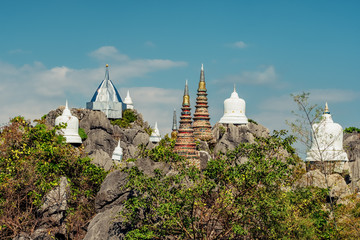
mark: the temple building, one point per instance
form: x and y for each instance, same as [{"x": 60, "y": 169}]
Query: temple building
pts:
[
  {"x": 185, "y": 143},
  {"x": 128, "y": 101},
  {"x": 118, "y": 153},
  {"x": 327, "y": 143},
  {"x": 174, "y": 126},
  {"x": 155, "y": 135},
  {"x": 234, "y": 110},
  {"x": 107, "y": 99},
  {"x": 71, "y": 131},
  {"x": 201, "y": 125}
]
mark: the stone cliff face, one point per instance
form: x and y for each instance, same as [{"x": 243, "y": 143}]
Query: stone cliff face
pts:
[
  {"x": 103, "y": 136},
  {"x": 352, "y": 148}
]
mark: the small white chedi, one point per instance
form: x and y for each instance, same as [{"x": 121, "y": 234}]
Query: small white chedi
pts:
[
  {"x": 234, "y": 110},
  {"x": 155, "y": 135},
  {"x": 327, "y": 140},
  {"x": 71, "y": 132},
  {"x": 128, "y": 101},
  {"x": 118, "y": 153}
]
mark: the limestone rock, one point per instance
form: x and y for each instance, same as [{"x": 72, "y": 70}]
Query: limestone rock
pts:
[
  {"x": 229, "y": 136},
  {"x": 338, "y": 186},
  {"x": 103, "y": 224},
  {"x": 102, "y": 159},
  {"x": 112, "y": 191},
  {"x": 204, "y": 159},
  {"x": 312, "y": 178},
  {"x": 352, "y": 148}
]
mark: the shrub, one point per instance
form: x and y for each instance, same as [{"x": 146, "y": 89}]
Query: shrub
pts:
[
  {"x": 82, "y": 134},
  {"x": 32, "y": 160},
  {"x": 129, "y": 116},
  {"x": 352, "y": 130}
]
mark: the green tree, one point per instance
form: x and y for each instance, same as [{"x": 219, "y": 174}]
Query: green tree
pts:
[
  {"x": 229, "y": 199},
  {"x": 32, "y": 160}
]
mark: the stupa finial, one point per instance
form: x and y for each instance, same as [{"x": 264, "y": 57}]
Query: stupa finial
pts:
[
  {"x": 326, "y": 110},
  {"x": 234, "y": 87},
  {"x": 202, "y": 67},
  {"x": 186, "y": 98},
  {"x": 66, "y": 104},
  {"x": 107, "y": 77},
  {"x": 174, "y": 127}
]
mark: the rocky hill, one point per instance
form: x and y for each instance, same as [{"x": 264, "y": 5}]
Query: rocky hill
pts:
[{"x": 102, "y": 138}]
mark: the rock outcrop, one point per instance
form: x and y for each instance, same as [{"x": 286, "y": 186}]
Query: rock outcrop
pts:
[
  {"x": 102, "y": 136},
  {"x": 108, "y": 223},
  {"x": 229, "y": 136},
  {"x": 352, "y": 148}
]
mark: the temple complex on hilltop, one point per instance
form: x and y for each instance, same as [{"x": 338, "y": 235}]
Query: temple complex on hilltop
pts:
[
  {"x": 234, "y": 110},
  {"x": 185, "y": 143},
  {"x": 107, "y": 99},
  {"x": 327, "y": 145},
  {"x": 201, "y": 125}
]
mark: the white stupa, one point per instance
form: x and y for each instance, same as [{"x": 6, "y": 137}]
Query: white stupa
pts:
[
  {"x": 107, "y": 99},
  {"x": 155, "y": 135},
  {"x": 118, "y": 153},
  {"x": 234, "y": 110},
  {"x": 71, "y": 132},
  {"x": 327, "y": 144},
  {"x": 128, "y": 101}
]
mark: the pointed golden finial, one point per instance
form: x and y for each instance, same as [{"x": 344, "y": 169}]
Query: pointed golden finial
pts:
[
  {"x": 107, "y": 65},
  {"x": 186, "y": 98},
  {"x": 326, "y": 110}
]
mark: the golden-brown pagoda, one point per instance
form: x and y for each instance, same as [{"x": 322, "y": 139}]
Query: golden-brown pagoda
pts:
[
  {"x": 202, "y": 127},
  {"x": 185, "y": 143}
]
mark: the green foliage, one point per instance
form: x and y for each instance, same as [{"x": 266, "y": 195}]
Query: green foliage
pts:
[
  {"x": 129, "y": 116},
  {"x": 163, "y": 152},
  {"x": 32, "y": 160},
  {"x": 352, "y": 130},
  {"x": 228, "y": 200},
  {"x": 252, "y": 121},
  {"x": 82, "y": 134}
]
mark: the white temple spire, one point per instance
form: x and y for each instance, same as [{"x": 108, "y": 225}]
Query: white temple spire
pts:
[
  {"x": 128, "y": 101},
  {"x": 155, "y": 135},
  {"x": 118, "y": 153}
]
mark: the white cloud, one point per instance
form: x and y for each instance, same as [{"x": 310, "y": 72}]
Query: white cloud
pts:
[
  {"x": 157, "y": 105},
  {"x": 149, "y": 44},
  {"x": 108, "y": 53},
  {"x": 240, "y": 44},
  {"x": 332, "y": 95},
  {"x": 33, "y": 89},
  {"x": 261, "y": 77},
  {"x": 18, "y": 51}
]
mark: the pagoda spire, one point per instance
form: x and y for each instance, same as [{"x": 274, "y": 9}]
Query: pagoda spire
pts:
[
  {"x": 174, "y": 126},
  {"x": 185, "y": 143},
  {"x": 202, "y": 126}
]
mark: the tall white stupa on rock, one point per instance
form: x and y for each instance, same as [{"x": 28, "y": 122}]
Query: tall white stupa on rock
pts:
[
  {"x": 155, "y": 135},
  {"x": 107, "y": 99},
  {"x": 128, "y": 101},
  {"x": 234, "y": 110},
  {"x": 327, "y": 141},
  {"x": 71, "y": 132}
]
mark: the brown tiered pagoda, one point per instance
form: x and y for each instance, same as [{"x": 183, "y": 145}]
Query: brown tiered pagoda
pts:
[
  {"x": 202, "y": 127},
  {"x": 185, "y": 143}
]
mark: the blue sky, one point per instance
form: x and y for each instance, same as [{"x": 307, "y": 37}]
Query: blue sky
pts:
[{"x": 56, "y": 50}]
